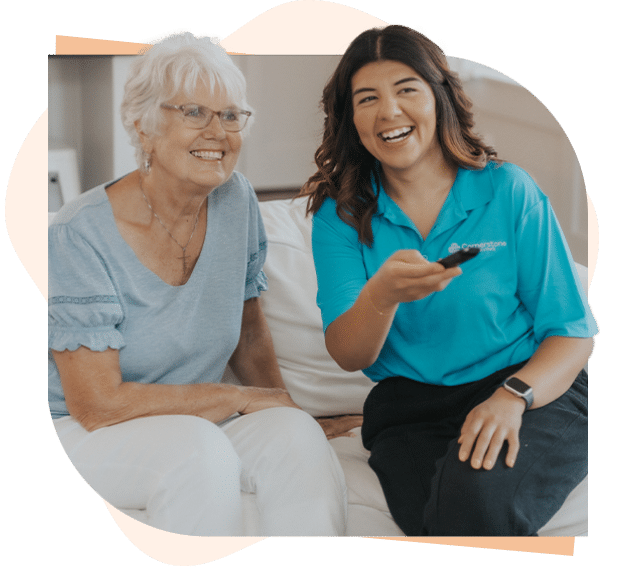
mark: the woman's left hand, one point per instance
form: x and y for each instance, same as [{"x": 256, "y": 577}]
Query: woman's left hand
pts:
[
  {"x": 335, "y": 426},
  {"x": 488, "y": 426}
]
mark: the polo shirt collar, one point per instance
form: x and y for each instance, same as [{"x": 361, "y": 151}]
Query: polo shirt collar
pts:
[
  {"x": 465, "y": 199},
  {"x": 471, "y": 189},
  {"x": 474, "y": 187}
]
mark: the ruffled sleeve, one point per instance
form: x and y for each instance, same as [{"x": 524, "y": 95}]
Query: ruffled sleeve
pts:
[{"x": 84, "y": 308}]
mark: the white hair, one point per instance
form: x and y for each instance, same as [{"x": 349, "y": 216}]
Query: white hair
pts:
[{"x": 173, "y": 65}]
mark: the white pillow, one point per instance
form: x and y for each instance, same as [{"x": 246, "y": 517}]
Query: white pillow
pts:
[{"x": 313, "y": 379}]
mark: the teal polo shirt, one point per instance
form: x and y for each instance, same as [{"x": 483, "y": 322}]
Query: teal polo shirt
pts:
[{"x": 520, "y": 289}]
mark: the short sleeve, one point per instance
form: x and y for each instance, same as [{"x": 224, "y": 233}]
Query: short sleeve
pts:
[
  {"x": 256, "y": 280},
  {"x": 548, "y": 283},
  {"x": 84, "y": 309},
  {"x": 339, "y": 263}
]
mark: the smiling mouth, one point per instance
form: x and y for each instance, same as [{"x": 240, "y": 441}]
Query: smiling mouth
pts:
[
  {"x": 396, "y": 135},
  {"x": 208, "y": 155}
]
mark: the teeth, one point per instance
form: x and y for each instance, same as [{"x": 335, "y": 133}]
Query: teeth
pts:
[
  {"x": 210, "y": 155},
  {"x": 398, "y": 133}
]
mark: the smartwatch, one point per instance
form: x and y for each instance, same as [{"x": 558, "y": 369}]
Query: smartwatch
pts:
[{"x": 519, "y": 389}]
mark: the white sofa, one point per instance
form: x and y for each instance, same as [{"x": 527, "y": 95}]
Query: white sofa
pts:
[{"x": 321, "y": 388}]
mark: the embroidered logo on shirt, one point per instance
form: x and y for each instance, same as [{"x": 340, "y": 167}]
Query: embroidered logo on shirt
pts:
[{"x": 488, "y": 246}]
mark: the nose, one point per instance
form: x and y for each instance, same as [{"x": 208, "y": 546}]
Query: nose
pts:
[
  {"x": 389, "y": 107},
  {"x": 214, "y": 129}
]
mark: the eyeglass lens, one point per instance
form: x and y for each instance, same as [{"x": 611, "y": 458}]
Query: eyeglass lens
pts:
[{"x": 197, "y": 116}]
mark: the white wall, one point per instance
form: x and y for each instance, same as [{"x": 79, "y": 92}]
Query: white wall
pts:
[
  {"x": 524, "y": 132},
  {"x": 285, "y": 91}
]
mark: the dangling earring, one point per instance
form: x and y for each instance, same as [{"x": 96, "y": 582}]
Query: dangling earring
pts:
[{"x": 147, "y": 163}]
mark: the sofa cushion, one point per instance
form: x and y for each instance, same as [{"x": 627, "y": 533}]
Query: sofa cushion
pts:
[{"x": 313, "y": 379}]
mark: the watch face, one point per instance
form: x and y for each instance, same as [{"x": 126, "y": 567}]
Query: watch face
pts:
[{"x": 519, "y": 386}]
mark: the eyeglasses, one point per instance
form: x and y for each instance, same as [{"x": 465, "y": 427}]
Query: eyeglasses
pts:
[{"x": 195, "y": 116}]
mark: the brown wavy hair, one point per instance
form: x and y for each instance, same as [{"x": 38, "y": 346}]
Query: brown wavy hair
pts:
[{"x": 344, "y": 166}]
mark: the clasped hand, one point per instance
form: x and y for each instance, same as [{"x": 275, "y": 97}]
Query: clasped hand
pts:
[{"x": 488, "y": 426}]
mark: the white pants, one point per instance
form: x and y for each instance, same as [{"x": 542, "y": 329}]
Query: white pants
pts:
[{"x": 188, "y": 473}]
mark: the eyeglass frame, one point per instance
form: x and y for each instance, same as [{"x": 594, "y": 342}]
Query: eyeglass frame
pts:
[{"x": 219, "y": 113}]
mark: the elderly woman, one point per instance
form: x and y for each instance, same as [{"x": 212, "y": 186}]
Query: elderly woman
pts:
[
  {"x": 477, "y": 424},
  {"x": 154, "y": 284}
]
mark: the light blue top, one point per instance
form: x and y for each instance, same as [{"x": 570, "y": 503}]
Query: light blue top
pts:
[
  {"x": 520, "y": 289},
  {"x": 101, "y": 295}
]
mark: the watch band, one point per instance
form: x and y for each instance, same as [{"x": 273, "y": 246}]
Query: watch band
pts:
[{"x": 520, "y": 389}]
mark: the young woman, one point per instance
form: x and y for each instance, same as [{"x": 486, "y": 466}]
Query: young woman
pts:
[{"x": 478, "y": 422}]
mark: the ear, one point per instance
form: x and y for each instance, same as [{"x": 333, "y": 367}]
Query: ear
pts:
[{"x": 145, "y": 139}]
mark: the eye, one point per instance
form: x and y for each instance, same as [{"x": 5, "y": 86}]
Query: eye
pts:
[
  {"x": 229, "y": 115},
  {"x": 366, "y": 99},
  {"x": 194, "y": 111}
]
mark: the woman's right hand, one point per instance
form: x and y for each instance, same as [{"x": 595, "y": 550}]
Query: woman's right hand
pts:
[
  {"x": 355, "y": 339},
  {"x": 253, "y": 399},
  {"x": 406, "y": 276}
]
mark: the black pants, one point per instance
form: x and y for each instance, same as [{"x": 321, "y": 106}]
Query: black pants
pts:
[{"x": 412, "y": 429}]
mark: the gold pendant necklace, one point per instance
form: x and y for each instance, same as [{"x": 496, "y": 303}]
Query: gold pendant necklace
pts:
[{"x": 183, "y": 257}]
